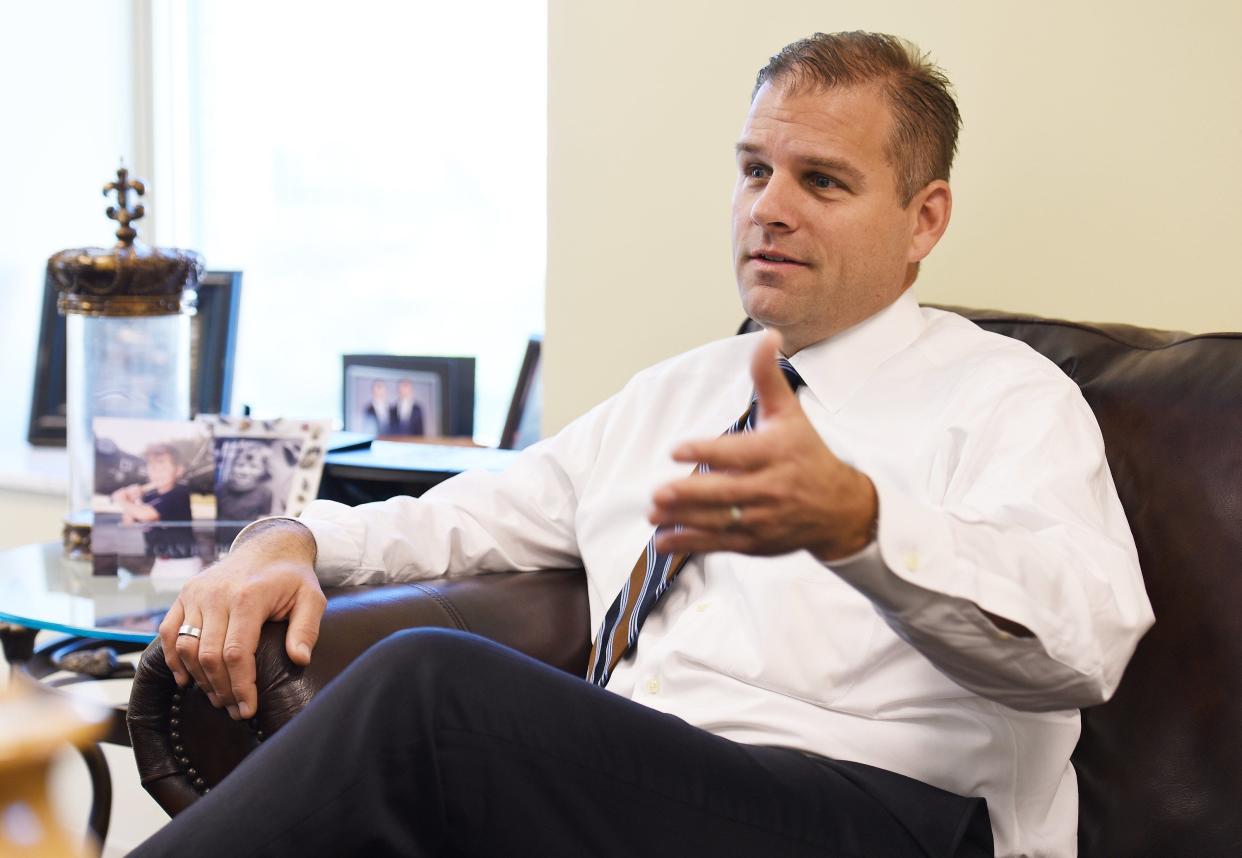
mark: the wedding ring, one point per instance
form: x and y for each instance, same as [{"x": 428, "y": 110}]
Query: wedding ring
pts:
[
  {"x": 735, "y": 515},
  {"x": 192, "y": 631}
]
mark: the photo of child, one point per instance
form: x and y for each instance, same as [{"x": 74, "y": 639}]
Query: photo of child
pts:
[
  {"x": 265, "y": 467},
  {"x": 243, "y": 479},
  {"x": 153, "y": 478},
  {"x": 153, "y": 470},
  {"x": 164, "y": 497}
]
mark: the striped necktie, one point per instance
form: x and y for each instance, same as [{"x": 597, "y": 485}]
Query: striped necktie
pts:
[{"x": 653, "y": 573}]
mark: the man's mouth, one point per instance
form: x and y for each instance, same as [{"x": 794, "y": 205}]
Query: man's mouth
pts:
[{"x": 772, "y": 257}]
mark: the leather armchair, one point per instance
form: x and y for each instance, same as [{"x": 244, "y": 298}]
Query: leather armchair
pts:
[{"x": 1159, "y": 766}]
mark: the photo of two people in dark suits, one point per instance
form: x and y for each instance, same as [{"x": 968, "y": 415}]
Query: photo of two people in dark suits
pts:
[
  {"x": 391, "y": 405},
  {"x": 402, "y": 417}
]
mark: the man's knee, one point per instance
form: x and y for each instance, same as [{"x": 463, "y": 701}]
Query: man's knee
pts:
[
  {"x": 434, "y": 657},
  {"x": 409, "y": 676},
  {"x": 429, "y": 643}
]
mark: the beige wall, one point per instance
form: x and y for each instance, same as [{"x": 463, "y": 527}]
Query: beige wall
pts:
[
  {"x": 30, "y": 517},
  {"x": 1098, "y": 176}
]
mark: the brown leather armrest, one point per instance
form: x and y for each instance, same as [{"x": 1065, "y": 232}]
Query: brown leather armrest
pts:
[{"x": 183, "y": 745}]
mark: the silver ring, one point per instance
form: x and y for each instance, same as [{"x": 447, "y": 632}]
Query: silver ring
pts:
[{"x": 192, "y": 631}]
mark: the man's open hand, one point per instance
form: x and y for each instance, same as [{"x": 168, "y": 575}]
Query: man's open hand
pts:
[
  {"x": 270, "y": 576},
  {"x": 772, "y": 491}
]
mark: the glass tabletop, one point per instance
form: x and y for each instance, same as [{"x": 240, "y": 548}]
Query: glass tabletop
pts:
[{"x": 114, "y": 596}]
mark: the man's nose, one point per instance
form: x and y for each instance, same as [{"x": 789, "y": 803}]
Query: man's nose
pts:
[{"x": 774, "y": 208}]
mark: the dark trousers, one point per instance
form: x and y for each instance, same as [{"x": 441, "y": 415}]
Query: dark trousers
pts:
[{"x": 441, "y": 743}]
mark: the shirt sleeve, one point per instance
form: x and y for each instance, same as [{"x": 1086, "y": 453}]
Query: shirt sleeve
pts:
[
  {"x": 1031, "y": 531},
  {"x": 477, "y": 521}
]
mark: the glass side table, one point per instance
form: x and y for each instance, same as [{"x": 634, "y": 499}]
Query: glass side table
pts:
[{"x": 100, "y": 615}]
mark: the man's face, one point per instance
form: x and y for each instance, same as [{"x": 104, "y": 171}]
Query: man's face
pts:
[
  {"x": 379, "y": 391},
  {"x": 820, "y": 238},
  {"x": 405, "y": 390}
]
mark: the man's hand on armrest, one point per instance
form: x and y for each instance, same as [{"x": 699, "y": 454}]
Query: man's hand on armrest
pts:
[{"x": 269, "y": 575}]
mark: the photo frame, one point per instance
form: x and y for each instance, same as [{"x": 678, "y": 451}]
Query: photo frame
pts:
[
  {"x": 377, "y": 392},
  {"x": 152, "y": 480},
  {"x": 213, "y": 343},
  {"x": 168, "y": 494},
  {"x": 523, "y": 423},
  {"x": 265, "y": 467}
]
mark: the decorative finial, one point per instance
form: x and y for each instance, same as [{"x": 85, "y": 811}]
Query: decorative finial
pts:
[{"x": 122, "y": 213}]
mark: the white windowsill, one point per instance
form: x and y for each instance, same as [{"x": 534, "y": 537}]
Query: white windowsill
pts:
[{"x": 34, "y": 470}]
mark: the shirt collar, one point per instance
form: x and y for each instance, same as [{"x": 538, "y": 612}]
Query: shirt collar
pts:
[{"x": 835, "y": 368}]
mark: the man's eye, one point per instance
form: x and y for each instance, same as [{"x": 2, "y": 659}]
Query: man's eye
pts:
[
  {"x": 756, "y": 171},
  {"x": 825, "y": 182}
]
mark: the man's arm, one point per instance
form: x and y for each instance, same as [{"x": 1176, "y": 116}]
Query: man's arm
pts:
[
  {"x": 520, "y": 519},
  {"x": 1024, "y": 587}
]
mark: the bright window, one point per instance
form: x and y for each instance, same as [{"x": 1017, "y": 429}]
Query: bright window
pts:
[
  {"x": 375, "y": 170},
  {"x": 68, "y": 115}
]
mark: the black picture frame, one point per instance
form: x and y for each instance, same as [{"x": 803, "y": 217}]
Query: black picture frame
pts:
[
  {"x": 456, "y": 385},
  {"x": 525, "y": 406},
  {"x": 213, "y": 344}
]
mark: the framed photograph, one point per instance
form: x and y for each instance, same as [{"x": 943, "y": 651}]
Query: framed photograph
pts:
[
  {"x": 156, "y": 456},
  {"x": 265, "y": 467},
  {"x": 153, "y": 478},
  {"x": 396, "y": 396},
  {"x": 213, "y": 341},
  {"x": 523, "y": 423}
]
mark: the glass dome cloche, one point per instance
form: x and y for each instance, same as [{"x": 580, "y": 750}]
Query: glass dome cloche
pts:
[{"x": 127, "y": 315}]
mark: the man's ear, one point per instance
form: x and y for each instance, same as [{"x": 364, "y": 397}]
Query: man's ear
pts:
[{"x": 930, "y": 210}]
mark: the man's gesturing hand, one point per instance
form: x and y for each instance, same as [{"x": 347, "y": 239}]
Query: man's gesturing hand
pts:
[
  {"x": 789, "y": 488},
  {"x": 271, "y": 575}
]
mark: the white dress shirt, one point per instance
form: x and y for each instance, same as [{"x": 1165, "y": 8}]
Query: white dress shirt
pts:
[{"x": 994, "y": 494}]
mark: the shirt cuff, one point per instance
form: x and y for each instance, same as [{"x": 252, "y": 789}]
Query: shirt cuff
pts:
[{"x": 340, "y": 534}]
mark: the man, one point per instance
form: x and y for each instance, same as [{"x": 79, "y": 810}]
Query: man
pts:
[
  {"x": 377, "y": 416},
  {"x": 406, "y": 417},
  {"x": 900, "y": 584}
]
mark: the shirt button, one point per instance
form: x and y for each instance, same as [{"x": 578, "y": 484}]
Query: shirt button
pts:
[
  {"x": 912, "y": 561},
  {"x": 653, "y": 686}
]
